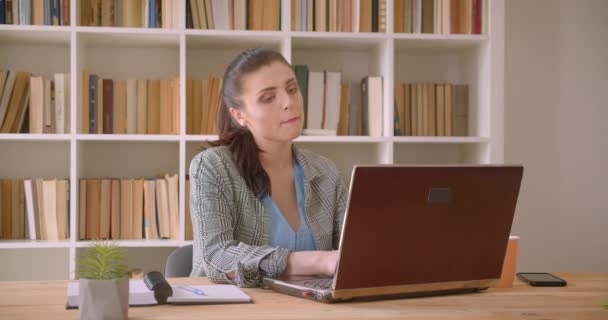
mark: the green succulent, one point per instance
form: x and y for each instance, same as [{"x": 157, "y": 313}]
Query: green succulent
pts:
[{"x": 103, "y": 261}]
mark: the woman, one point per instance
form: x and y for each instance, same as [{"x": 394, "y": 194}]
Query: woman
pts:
[{"x": 260, "y": 206}]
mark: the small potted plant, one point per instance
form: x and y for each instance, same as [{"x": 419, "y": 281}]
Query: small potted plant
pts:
[{"x": 104, "y": 282}]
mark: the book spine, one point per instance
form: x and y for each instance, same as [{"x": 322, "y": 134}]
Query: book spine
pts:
[
  {"x": 55, "y": 13},
  {"x": 152, "y": 13},
  {"x": 47, "y": 13},
  {"x": 93, "y": 103},
  {"x": 25, "y": 12},
  {"x": 65, "y": 12},
  {"x": 108, "y": 106},
  {"x": 188, "y": 15},
  {"x": 2, "y": 12},
  {"x": 8, "y": 12}
]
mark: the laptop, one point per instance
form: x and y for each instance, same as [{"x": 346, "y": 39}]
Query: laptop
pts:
[{"x": 412, "y": 231}]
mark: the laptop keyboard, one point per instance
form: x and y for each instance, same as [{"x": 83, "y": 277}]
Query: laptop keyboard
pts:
[{"x": 322, "y": 283}]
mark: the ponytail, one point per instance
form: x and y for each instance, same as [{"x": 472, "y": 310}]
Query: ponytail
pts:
[{"x": 244, "y": 152}]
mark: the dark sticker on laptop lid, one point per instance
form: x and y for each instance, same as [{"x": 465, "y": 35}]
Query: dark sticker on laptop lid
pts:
[{"x": 439, "y": 195}]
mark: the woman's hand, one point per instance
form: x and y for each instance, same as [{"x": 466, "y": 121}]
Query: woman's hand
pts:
[
  {"x": 309, "y": 263},
  {"x": 329, "y": 262}
]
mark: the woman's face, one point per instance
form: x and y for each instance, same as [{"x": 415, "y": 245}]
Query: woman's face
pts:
[{"x": 272, "y": 107}]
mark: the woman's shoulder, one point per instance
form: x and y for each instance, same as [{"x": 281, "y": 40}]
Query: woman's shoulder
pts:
[
  {"x": 215, "y": 157},
  {"x": 316, "y": 162}
]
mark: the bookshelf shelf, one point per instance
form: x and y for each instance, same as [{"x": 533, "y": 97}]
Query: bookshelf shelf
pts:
[
  {"x": 200, "y": 138},
  {"x": 337, "y": 40},
  {"x": 128, "y": 137},
  {"x": 38, "y": 35},
  {"x": 250, "y": 34},
  {"x": 99, "y": 37},
  {"x": 124, "y": 30},
  {"x": 156, "y": 53},
  {"x": 34, "y": 137},
  {"x": 221, "y": 39},
  {"x": 138, "y": 243},
  {"x": 341, "y": 139},
  {"x": 444, "y": 140},
  {"x": 34, "y": 244},
  {"x": 438, "y": 42}
]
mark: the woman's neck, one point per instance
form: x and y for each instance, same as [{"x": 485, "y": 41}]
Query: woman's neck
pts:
[{"x": 276, "y": 156}]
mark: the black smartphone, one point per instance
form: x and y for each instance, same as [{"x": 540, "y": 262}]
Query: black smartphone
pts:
[{"x": 541, "y": 279}]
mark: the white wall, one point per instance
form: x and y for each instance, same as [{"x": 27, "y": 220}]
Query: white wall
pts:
[{"x": 556, "y": 114}]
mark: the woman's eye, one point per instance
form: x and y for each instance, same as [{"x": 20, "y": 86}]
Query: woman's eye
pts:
[
  {"x": 267, "y": 99},
  {"x": 292, "y": 90}
]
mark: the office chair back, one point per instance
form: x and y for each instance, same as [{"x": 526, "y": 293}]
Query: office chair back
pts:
[{"x": 179, "y": 262}]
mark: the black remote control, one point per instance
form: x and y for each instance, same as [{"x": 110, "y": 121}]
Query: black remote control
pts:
[{"x": 156, "y": 282}]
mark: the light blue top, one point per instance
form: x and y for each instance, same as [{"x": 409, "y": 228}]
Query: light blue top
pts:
[{"x": 281, "y": 233}]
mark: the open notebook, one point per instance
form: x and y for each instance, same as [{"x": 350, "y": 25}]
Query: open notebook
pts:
[{"x": 140, "y": 295}]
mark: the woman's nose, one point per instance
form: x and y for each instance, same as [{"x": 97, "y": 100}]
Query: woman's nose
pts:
[{"x": 287, "y": 100}]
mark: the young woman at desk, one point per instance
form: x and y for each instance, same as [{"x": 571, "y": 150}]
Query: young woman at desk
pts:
[{"x": 260, "y": 206}]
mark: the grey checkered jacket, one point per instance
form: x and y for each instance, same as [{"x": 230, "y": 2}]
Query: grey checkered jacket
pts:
[{"x": 232, "y": 227}]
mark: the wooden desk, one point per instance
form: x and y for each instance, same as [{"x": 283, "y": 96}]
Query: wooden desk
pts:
[{"x": 581, "y": 299}]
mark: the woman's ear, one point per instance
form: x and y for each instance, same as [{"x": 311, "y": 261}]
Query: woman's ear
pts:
[{"x": 239, "y": 116}]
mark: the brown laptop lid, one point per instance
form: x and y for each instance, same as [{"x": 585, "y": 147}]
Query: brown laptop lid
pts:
[{"x": 418, "y": 225}]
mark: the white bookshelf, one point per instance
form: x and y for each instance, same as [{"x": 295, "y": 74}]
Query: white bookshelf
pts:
[{"x": 122, "y": 53}]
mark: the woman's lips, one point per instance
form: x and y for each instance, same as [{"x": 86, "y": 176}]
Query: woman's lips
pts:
[{"x": 292, "y": 120}]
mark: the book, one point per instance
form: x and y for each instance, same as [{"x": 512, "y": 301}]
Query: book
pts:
[
  {"x": 82, "y": 209},
  {"x": 30, "y": 231},
  {"x": 140, "y": 295},
  {"x": 126, "y": 208},
  {"x": 137, "y": 219},
  {"x": 49, "y": 196},
  {"x": 115, "y": 209},
  {"x": 62, "y": 196}
]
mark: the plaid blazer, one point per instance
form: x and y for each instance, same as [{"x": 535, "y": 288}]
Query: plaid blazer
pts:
[{"x": 232, "y": 227}]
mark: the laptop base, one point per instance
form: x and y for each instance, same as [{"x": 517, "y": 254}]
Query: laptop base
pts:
[{"x": 326, "y": 296}]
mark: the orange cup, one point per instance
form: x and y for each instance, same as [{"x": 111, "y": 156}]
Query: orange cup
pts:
[{"x": 508, "y": 268}]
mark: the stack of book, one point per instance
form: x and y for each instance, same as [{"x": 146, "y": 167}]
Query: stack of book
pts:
[
  {"x": 338, "y": 16},
  {"x": 441, "y": 16},
  {"x": 35, "y": 209},
  {"x": 336, "y": 107},
  {"x": 129, "y": 106},
  {"x": 203, "y": 100},
  {"x": 129, "y": 208},
  {"x": 34, "y": 104},
  {"x": 130, "y": 13},
  {"x": 431, "y": 109},
  {"x": 36, "y": 12},
  {"x": 234, "y": 14}
]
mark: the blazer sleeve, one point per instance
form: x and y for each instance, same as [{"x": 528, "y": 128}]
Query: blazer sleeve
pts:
[
  {"x": 215, "y": 250},
  {"x": 341, "y": 196}
]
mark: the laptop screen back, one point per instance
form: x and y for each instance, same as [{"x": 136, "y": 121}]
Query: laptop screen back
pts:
[{"x": 416, "y": 225}]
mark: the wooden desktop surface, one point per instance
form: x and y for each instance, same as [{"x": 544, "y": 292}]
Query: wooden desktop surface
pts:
[{"x": 581, "y": 299}]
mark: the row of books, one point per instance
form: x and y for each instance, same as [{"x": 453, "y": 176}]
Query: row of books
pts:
[
  {"x": 203, "y": 100},
  {"x": 34, "y": 104},
  {"x": 233, "y": 14},
  {"x": 338, "y": 16},
  {"x": 129, "y": 208},
  {"x": 36, "y": 12},
  {"x": 35, "y": 209},
  {"x": 129, "y": 106},
  {"x": 430, "y": 109},
  {"x": 130, "y": 13},
  {"x": 441, "y": 16},
  {"x": 336, "y": 107}
]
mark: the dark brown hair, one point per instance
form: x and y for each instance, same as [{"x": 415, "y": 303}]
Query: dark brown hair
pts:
[{"x": 238, "y": 138}]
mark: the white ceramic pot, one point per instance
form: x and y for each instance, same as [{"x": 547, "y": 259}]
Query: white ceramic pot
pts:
[{"x": 104, "y": 299}]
